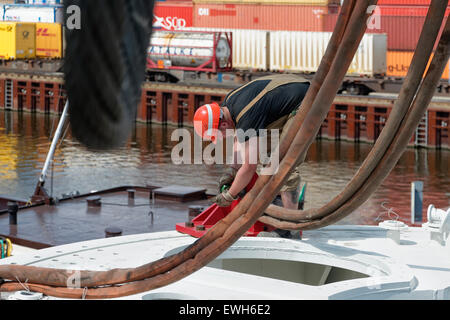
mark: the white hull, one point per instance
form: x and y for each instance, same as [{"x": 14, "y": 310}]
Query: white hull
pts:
[{"x": 339, "y": 262}]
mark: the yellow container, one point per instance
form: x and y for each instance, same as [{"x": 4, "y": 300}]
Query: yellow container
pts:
[
  {"x": 398, "y": 63},
  {"x": 17, "y": 40},
  {"x": 48, "y": 40}
]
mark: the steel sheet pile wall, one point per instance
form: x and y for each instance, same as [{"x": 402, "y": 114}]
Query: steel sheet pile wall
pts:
[
  {"x": 355, "y": 120},
  {"x": 350, "y": 118},
  {"x": 43, "y": 96}
]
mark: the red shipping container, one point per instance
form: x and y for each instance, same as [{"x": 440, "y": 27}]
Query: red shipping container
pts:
[
  {"x": 403, "y": 25},
  {"x": 262, "y": 17},
  {"x": 172, "y": 15},
  {"x": 405, "y": 11},
  {"x": 404, "y": 2}
]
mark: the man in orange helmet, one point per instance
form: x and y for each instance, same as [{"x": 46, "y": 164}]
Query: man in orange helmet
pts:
[{"x": 266, "y": 103}]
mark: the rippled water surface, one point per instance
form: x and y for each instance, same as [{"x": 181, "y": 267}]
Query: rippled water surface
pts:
[{"x": 25, "y": 140}]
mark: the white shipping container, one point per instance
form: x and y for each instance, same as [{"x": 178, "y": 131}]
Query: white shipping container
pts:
[
  {"x": 371, "y": 57},
  {"x": 36, "y": 13},
  {"x": 303, "y": 52},
  {"x": 250, "y": 49},
  {"x": 45, "y": 1},
  {"x": 300, "y": 51}
]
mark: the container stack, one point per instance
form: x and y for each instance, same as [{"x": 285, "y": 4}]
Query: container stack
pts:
[
  {"x": 45, "y": 2},
  {"x": 17, "y": 40},
  {"x": 284, "y": 15},
  {"x": 173, "y": 15},
  {"x": 402, "y": 21},
  {"x": 45, "y": 17},
  {"x": 50, "y": 13}
]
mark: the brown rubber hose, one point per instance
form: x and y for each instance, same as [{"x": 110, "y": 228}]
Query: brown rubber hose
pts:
[
  {"x": 222, "y": 226},
  {"x": 409, "y": 89}
]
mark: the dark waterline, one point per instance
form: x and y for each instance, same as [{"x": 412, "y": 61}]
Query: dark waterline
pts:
[{"x": 25, "y": 140}]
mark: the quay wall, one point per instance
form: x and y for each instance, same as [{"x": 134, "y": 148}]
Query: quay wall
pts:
[{"x": 351, "y": 118}]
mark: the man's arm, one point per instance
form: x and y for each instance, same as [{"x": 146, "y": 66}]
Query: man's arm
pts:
[{"x": 249, "y": 156}]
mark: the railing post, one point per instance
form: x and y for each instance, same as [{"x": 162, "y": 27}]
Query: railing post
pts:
[{"x": 416, "y": 202}]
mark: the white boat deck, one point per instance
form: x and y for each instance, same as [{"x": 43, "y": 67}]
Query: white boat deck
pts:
[{"x": 339, "y": 262}]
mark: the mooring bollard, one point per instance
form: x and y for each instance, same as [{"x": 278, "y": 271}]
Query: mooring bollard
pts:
[
  {"x": 112, "y": 232},
  {"x": 416, "y": 202},
  {"x": 131, "y": 194},
  {"x": 94, "y": 202}
]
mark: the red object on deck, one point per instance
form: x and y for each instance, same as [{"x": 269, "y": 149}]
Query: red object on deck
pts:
[{"x": 208, "y": 218}]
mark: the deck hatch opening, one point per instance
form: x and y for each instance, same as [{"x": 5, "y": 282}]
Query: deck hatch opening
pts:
[
  {"x": 167, "y": 296},
  {"x": 293, "y": 271}
]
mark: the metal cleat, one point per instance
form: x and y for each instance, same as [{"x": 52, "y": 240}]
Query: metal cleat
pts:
[
  {"x": 27, "y": 296},
  {"x": 394, "y": 229}
]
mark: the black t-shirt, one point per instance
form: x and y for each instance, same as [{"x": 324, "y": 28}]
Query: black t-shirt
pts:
[{"x": 272, "y": 106}]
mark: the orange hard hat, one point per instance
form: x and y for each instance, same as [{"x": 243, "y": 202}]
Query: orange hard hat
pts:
[{"x": 206, "y": 121}]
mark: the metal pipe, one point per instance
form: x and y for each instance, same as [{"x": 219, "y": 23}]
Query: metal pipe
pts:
[
  {"x": 51, "y": 152},
  {"x": 13, "y": 208},
  {"x": 416, "y": 202}
]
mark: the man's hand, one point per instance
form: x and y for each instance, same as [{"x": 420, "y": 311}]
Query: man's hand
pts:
[
  {"x": 226, "y": 180},
  {"x": 224, "y": 199}
]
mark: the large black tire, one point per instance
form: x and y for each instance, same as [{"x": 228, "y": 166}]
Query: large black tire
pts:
[{"x": 105, "y": 68}]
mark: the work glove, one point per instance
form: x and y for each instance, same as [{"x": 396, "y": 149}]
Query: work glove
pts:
[
  {"x": 226, "y": 180},
  {"x": 224, "y": 199}
]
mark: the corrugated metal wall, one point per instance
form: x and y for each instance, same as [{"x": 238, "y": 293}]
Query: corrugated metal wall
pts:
[
  {"x": 173, "y": 15},
  {"x": 398, "y": 63},
  {"x": 250, "y": 47},
  {"x": 17, "y": 40},
  {"x": 261, "y": 17},
  {"x": 303, "y": 52},
  {"x": 49, "y": 40}
]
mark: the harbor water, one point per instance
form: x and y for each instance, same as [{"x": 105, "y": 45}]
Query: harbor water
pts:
[{"x": 146, "y": 160}]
